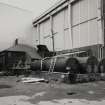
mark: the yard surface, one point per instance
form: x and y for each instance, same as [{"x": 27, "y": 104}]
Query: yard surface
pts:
[{"x": 18, "y": 93}]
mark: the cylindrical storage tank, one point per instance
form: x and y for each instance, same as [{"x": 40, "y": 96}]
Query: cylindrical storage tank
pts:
[
  {"x": 46, "y": 64},
  {"x": 36, "y": 65},
  {"x": 62, "y": 64},
  {"x": 92, "y": 64},
  {"x": 65, "y": 64},
  {"x": 59, "y": 64},
  {"x": 73, "y": 66},
  {"x": 82, "y": 61},
  {"x": 87, "y": 64},
  {"x": 101, "y": 66}
]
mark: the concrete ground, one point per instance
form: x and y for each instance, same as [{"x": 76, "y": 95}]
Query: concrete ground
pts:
[{"x": 18, "y": 93}]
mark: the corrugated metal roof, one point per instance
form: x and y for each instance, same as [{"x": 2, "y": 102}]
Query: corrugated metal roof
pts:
[{"x": 31, "y": 51}]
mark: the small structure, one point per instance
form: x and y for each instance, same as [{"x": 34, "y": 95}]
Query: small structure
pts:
[
  {"x": 18, "y": 57},
  {"x": 43, "y": 51}
]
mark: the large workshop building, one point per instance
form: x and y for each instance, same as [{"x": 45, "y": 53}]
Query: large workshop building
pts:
[{"x": 73, "y": 26}]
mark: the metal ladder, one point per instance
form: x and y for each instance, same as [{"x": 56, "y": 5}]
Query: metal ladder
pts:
[{"x": 52, "y": 65}]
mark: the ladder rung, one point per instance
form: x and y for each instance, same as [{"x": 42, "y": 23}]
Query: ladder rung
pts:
[{"x": 52, "y": 65}]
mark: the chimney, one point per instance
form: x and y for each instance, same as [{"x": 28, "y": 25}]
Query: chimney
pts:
[{"x": 16, "y": 41}]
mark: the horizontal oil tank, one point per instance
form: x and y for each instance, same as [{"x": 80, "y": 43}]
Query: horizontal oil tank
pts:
[
  {"x": 77, "y": 65},
  {"x": 92, "y": 65},
  {"x": 101, "y": 66},
  {"x": 59, "y": 64},
  {"x": 89, "y": 64},
  {"x": 46, "y": 63}
]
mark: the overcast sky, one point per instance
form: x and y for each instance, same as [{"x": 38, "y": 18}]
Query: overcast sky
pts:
[{"x": 36, "y": 6}]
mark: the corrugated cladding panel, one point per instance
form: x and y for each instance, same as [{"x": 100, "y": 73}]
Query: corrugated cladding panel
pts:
[
  {"x": 62, "y": 37},
  {"x": 84, "y": 10},
  {"x": 92, "y": 8},
  {"x": 47, "y": 28},
  {"x": 41, "y": 32},
  {"x": 85, "y": 34},
  {"x": 48, "y": 43},
  {"x": 67, "y": 40},
  {"x": 76, "y": 36},
  {"x": 66, "y": 23},
  {"x": 58, "y": 30},
  {"x": 67, "y": 37},
  {"x": 93, "y": 32},
  {"x": 75, "y": 13},
  {"x": 45, "y": 34},
  {"x": 84, "y": 23}
]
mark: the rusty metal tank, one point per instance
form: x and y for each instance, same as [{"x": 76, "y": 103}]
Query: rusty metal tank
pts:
[
  {"x": 74, "y": 64},
  {"x": 66, "y": 64},
  {"x": 101, "y": 66},
  {"x": 92, "y": 64},
  {"x": 89, "y": 64},
  {"x": 59, "y": 64}
]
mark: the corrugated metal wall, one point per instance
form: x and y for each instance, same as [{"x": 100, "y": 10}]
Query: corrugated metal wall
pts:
[
  {"x": 62, "y": 37},
  {"x": 84, "y": 23},
  {"x": 83, "y": 30},
  {"x": 47, "y": 34},
  {"x": 58, "y": 30}
]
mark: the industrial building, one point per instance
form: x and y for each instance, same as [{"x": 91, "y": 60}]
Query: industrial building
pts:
[{"x": 73, "y": 26}]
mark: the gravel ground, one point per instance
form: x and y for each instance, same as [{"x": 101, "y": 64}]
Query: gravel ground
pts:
[{"x": 18, "y": 93}]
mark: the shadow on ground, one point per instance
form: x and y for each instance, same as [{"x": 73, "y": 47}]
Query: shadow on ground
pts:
[{"x": 5, "y": 86}]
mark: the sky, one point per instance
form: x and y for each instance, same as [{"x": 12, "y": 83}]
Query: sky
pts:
[
  {"x": 19, "y": 27},
  {"x": 36, "y": 6}
]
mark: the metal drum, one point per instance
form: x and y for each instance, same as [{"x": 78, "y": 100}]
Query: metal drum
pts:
[
  {"x": 73, "y": 66},
  {"x": 62, "y": 64},
  {"x": 65, "y": 64},
  {"x": 92, "y": 64},
  {"x": 84, "y": 65},
  {"x": 55, "y": 64},
  {"x": 101, "y": 66}
]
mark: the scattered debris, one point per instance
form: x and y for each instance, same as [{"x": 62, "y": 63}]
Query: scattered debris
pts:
[
  {"x": 38, "y": 95},
  {"x": 90, "y": 92},
  {"x": 84, "y": 101},
  {"x": 32, "y": 80}
]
